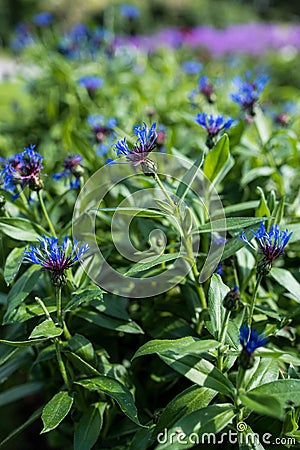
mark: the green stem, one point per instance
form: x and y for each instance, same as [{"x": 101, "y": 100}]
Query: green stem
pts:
[
  {"x": 222, "y": 338},
  {"x": 43, "y": 306},
  {"x": 61, "y": 365},
  {"x": 224, "y": 327},
  {"x": 240, "y": 377},
  {"x": 51, "y": 227},
  {"x": 58, "y": 306},
  {"x": 258, "y": 281},
  {"x": 162, "y": 187},
  {"x": 189, "y": 250}
]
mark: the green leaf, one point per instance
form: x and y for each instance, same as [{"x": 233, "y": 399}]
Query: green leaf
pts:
[
  {"x": 86, "y": 296},
  {"x": 216, "y": 159},
  {"x": 19, "y": 392},
  {"x": 189, "y": 400},
  {"x": 56, "y": 410},
  {"x": 199, "y": 371},
  {"x": 176, "y": 353},
  {"x": 46, "y": 329},
  {"x": 28, "y": 343},
  {"x": 20, "y": 357},
  {"x": 22, "y": 427},
  {"x": 137, "y": 212},
  {"x": 85, "y": 367},
  {"x": 238, "y": 207},
  {"x": 263, "y": 209},
  {"x": 148, "y": 263},
  {"x": 201, "y": 346},
  {"x": 263, "y": 371},
  {"x": 164, "y": 345},
  {"x": 249, "y": 440},
  {"x": 282, "y": 391},
  {"x": 198, "y": 427},
  {"x": 12, "y": 264},
  {"x": 286, "y": 279},
  {"x": 102, "y": 320},
  {"x": 262, "y": 404},
  {"x": 89, "y": 427},
  {"x": 216, "y": 294},
  {"x": 231, "y": 223},
  {"x": 253, "y": 174},
  {"x": 189, "y": 177},
  {"x": 113, "y": 388},
  {"x": 21, "y": 229},
  {"x": 23, "y": 286},
  {"x": 262, "y": 125},
  {"x": 82, "y": 347}
]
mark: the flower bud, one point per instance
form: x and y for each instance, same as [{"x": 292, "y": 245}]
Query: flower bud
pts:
[{"x": 231, "y": 300}]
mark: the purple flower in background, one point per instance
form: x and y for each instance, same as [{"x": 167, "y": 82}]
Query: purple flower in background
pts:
[
  {"x": 192, "y": 67},
  {"x": 130, "y": 12},
  {"x": 42, "y": 19},
  {"x": 250, "y": 340},
  {"x": 91, "y": 82},
  {"x": 54, "y": 258},
  {"x": 73, "y": 171},
  {"x": 145, "y": 143},
  {"x": 272, "y": 244},
  {"x": 213, "y": 125},
  {"x": 23, "y": 169},
  {"x": 248, "y": 91}
]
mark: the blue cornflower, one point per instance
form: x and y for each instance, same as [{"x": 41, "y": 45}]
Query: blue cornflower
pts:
[
  {"x": 91, "y": 82},
  {"x": 213, "y": 125},
  {"x": 206, "y": 88},
  {"x": 129, "y": 11},
  {"x": 192, "y": 67},
  {"x": 23, "y": 169},
  {"x": 55, "y": 258},
  {"x": 42, "y": 19},
  {"x": 73, "y": 170},
  {"x": 248, "y": 91},
  {"x": 145, "y": 143},
  {"x": 250, "y": 340},
  {"x": 101, "y": 126},
  {"x": 272, "y": 244},
  {"x": 22, "y": 37}
]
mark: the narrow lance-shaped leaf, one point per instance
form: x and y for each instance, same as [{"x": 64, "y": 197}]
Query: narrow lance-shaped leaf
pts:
[
  {"x": 56, "y": 410},
  {"x": 89, "y": 427},
  {"x": 113, "y": 388},
  {"x": 12, "y": 264},
  {"x": 216, "y": 159}
]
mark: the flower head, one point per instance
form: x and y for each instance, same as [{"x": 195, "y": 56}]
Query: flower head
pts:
[
  {"x": 42, "y": 19},
  {"x": 250, "y": 340},
  {"x": 206, "y": 88},
  {"x": 213, "y": 125},
  {"x": 101, "y": 126},
  {"x": 145, "y": 143},
  {"x": 55, "y": 258},
  {"x": 73, "y": 170},
  {"x": 192, "y": 67},
  {"x": 23, "y": 169},
  {"x": 130, "y": 12},
  {"x": 272, "y": 244},
  {"x": 91, "y": 82},
  {"x": 248, "y": 91}
]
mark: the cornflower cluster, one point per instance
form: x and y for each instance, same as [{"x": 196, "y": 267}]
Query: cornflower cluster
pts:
[{"x": 22, "y": 170}]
